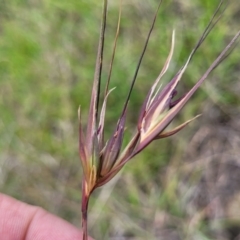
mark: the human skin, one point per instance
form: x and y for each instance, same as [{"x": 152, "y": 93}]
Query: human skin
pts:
[{"x": 20, "y": 221}]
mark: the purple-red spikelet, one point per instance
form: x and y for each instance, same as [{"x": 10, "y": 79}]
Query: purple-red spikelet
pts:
[{"x": 102, "y": 160}]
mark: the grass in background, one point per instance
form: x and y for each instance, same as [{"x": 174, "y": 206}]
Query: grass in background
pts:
[{"x": 186, "y": 187}]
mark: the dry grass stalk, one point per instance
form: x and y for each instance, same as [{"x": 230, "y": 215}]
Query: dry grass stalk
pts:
[{"x": 102, "y": 160}]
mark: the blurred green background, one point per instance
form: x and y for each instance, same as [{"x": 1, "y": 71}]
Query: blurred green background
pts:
[{"x": 183, "y": 187}]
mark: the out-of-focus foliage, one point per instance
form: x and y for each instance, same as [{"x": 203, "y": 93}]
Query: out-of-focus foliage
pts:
[{"x": 174, "y": 189}]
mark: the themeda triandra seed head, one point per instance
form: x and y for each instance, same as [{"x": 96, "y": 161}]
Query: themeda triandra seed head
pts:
[{"x": 102, "y": 160}]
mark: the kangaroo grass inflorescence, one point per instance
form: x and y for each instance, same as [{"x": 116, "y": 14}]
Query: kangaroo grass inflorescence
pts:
[{"x": 102, "y": 160}]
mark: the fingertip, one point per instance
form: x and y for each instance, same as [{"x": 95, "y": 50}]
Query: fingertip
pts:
[{"x": 21, "y": 221}]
